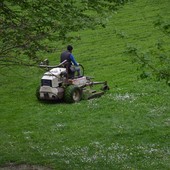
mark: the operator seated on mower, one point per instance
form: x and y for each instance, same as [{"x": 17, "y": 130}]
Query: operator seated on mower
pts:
[{"x": 72, "y": 66}]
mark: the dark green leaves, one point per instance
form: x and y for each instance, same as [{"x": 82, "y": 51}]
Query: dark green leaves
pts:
[{"x": 25, "y": 24}]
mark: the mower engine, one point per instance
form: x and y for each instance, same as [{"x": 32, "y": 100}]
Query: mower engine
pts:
[{"x": 51, "y": 84}]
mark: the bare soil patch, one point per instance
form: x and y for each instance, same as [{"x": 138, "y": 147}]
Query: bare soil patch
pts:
[{"x": 24, "y": 167}]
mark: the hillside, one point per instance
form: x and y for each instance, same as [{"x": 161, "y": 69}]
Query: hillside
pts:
[{"x": 127, "y": 128}]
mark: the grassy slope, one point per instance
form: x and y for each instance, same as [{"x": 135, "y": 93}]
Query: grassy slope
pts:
[{"x": 128, "y": 128}]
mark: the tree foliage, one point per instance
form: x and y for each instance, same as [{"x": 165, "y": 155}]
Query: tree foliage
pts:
[{"x": 25, "y": 24}]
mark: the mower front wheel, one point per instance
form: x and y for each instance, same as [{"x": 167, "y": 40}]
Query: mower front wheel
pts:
[{"x": 72, "y": 94}]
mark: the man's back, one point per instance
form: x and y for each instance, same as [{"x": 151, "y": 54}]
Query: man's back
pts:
[{"x": 65, "y": 56}]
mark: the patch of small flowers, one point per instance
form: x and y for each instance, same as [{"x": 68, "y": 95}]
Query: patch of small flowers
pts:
[
  {"x": 59, "y": 112},
  {"x": 150, "y": 152},
  {"x": 158, "y": 110},
  {"x": 59, "y": 126},
  {"x": 27, "y": 134},
  {"x": 122, "y": 97},
  {"x": 114, "y": 154},
  {"x": 167, "y": 122},
  {"x": 93, "y": 104}
]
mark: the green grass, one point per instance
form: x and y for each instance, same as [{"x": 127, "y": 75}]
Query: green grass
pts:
[{"x": 127, "y": 128}]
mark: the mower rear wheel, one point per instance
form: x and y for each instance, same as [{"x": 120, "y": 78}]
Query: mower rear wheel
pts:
[{"x": 72, "y": 94}]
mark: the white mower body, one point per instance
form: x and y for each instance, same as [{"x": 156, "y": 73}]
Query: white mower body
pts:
[{"x": 52, "y": 84}]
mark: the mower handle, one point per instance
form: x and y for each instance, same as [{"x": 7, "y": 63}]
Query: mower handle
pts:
[
  {"x": 47, "y": 66},
  {"x": 80, "y": 65}
]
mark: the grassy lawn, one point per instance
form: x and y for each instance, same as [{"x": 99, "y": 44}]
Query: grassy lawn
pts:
[{"x": 127, "y": 128}]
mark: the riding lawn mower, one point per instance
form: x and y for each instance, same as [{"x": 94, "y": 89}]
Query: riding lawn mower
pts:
[{"x": 56, "y": 85}]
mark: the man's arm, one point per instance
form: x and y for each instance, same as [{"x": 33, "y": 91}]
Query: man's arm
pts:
[{"x": 73, "y": 60}]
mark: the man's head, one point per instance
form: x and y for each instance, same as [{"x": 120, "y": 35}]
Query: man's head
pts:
[{"x": 69, "y": 48}]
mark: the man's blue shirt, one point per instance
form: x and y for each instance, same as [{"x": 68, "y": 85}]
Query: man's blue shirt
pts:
[{"x": 73, "y": 60}]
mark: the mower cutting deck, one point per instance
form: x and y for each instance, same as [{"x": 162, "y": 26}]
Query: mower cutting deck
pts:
[{"x": 56, "y": 85}]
